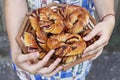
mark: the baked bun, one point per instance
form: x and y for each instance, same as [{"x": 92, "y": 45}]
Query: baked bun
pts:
[
  {"x": 58, "y": 28},
  {"x": 30, "y": 42},
  {"x": 66, "y": 44},
  {"x": 32, "y": 46},
  {"x": 76, "y": 18}
]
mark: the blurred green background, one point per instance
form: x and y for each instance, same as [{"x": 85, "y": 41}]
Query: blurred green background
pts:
[{"x": 106, "y": 67}]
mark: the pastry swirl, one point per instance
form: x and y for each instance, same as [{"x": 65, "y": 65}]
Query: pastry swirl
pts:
[{"x": 60, "y": 29}]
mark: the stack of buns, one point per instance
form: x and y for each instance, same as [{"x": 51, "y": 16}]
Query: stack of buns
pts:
[{"x": 58, "y": 28}]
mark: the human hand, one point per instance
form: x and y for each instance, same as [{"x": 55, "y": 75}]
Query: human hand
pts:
[
  {"x": 23, "y": 61},
  {"x": 103, "y": 30}
]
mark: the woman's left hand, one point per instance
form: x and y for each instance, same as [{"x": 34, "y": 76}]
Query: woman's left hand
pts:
[{"x": 103, "y": 30}]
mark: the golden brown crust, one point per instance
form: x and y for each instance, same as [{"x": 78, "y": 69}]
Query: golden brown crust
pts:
[
  {"x": 30, "y": 43},
  {"x": 59, "y": 29},
  {"x": 77, "y": 19},
  {"x": 34, "y": 22},
  {"x": 29, "y": 40},
  {"x": 42, "y": 55},
  {"x": 66, "y": 44},
  {"x": 32, "y": 46},
  {"x": 69, "y": 59}
]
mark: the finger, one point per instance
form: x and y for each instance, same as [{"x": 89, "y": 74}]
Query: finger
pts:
[
  {"x": 92, "y": 34},
  {"x": 97, "y": 54},
  {"x": 50, "y": 68},
  {"x": 43, "y": 62},
  {"x": 101, "y": 42},
  {"x": 47, "y": 57},
  {"x": 27, "y": 57},
  {"x": 93, "y": 51},
  {"x": 54, "y": 72},
  {"x": 54, "y": 65},
  {"x": 26, "y": 67}
]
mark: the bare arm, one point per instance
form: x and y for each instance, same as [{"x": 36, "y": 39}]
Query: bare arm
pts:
[
  {"x": 15, "y": 11},
  {"x": 104, "y": 7}
]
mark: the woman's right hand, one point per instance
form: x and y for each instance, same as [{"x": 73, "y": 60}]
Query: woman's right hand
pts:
[{"x": 23, "y": 61}]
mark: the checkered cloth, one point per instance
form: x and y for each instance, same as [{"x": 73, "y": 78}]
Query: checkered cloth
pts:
[
  {"x": 77, "y": 72},
  {"x": 88, "y": 4}
]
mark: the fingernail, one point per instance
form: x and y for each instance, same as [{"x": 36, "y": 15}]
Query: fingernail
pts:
[
  {"x": 85, "y": 38},
  {"x": 83, "y": 55},
  {"x": 60, "y": 67},
  {"x": 84, "y": 52},
  {"x": 36, "y": 54},
  {"x": 59, "y": 59},
  {"x": 52, "y": 51}
]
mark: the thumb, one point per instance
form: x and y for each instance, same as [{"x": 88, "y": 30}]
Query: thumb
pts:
[
  {"x": 92, "y": 34},
  {"x": 28, "y": 57}
]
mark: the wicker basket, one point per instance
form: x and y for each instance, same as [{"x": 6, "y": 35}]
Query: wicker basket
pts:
[{"x": 27, "y": 26}]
